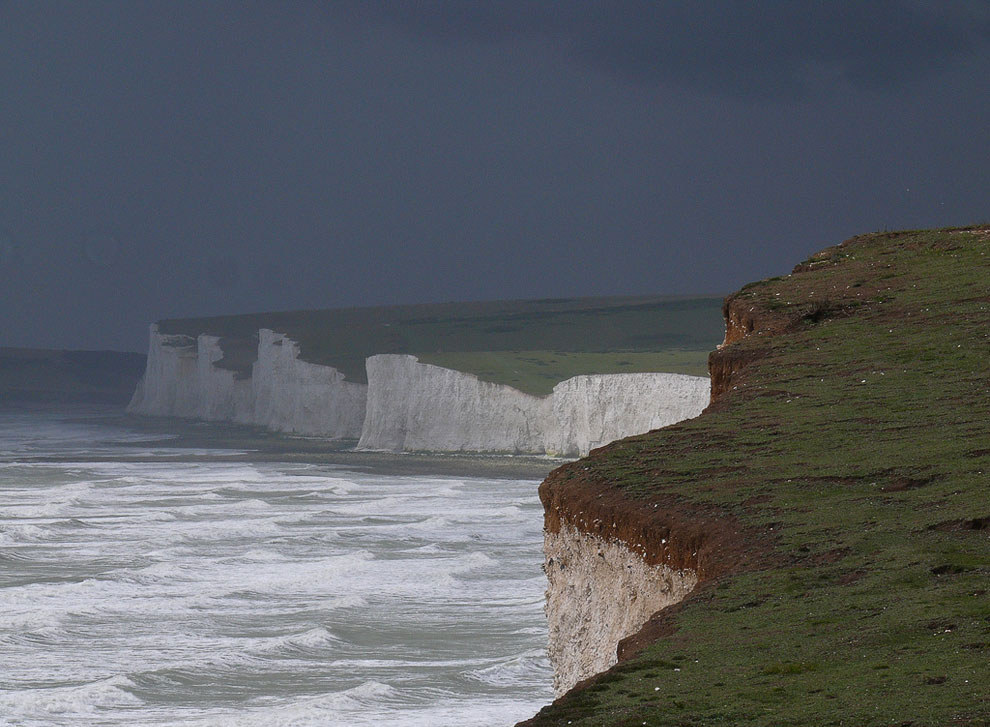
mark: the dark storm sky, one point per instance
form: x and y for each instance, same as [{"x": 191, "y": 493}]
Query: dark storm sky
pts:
[{"x": 162, "y": 159}]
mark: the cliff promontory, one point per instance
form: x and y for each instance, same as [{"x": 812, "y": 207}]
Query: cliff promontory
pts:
[{"x": 813, "y": 548}]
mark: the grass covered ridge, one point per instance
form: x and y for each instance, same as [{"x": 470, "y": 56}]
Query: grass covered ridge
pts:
[
  {"x": 529, "y": 344},
  {"x": 852, "y": 448}
]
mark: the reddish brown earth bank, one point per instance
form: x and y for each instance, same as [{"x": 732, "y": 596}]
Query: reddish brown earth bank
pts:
[{"x": 706, "y": 495}]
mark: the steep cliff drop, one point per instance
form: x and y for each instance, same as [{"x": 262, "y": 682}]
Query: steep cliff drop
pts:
[
  {"x": 614, "y": 561},
  {"x": 599, "y": 593},
  {"x": 417, "y": 406},
  {"x": 283, "y": 393},
  {"x": 406, "y": 405},
  {"x": 180, "y": 380},
  {"x": 291, "y": 395},
  {"x": 592, "y": 410}
]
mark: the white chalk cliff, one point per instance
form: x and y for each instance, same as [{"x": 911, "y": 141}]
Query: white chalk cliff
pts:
[
  {"x": 416, "y": 406},
  {"x": 296, "y": 396},
  {"x": 598, "y": 593},
  {"x": 180, "y": 380},
  {"x": 283, "y": 393},
  {"x": 407, "y": 405},
  {"x": 595, "y": 409}
]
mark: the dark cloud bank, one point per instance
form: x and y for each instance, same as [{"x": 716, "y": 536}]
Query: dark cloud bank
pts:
[
  {"x": 168, "y": 159},
  {"x": 739, "y": 48}
]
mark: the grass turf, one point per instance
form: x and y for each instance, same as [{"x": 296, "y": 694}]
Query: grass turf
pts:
[
  {"x": 531, "y": 345},
  {"x": 856, "y": 448}
]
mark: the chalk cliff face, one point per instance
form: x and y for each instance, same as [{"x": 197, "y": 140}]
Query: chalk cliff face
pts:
[
  {"x": 614, "y": 561},
  {"x": 283, "y": 393},
  {"x": 599, "y": 592},
  {"x": 168, "y": 384},
  {"x": 406, "y": 405},
  {"x": 589, "y": 411},
  {"x": 222, "y": 396},
  {"x": 305, "y": 398},
  {"x": 180, "y": 380},
  {"x": 417, "y": 406}
]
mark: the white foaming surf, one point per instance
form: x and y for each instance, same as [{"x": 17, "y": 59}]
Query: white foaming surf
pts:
[{"x": 169, "y": 592}]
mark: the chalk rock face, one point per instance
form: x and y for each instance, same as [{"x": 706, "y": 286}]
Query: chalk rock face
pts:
[
  {"x": 305, "y": 398},
  {"x": 168, "y": 385},
  {"x": 223, "y": 397},
  {"x": 283, "y": 393},
  {"x": 406, "y": 405},
  {"x": 180, "y": 380},
  {"x": 598, "y": 593},
  {"x": 414, "y": 406},
  {"x": 589, "y": 411}
]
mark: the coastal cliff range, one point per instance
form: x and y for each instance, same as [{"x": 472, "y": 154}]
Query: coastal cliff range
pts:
[
  {"x": 557, "y": 378},
  {"x": 831, "y": 504}
]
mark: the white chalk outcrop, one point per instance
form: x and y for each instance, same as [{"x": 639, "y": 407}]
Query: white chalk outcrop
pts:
[
  {"x": 180, "y": 380},
  {"x": 592, "y": 410},
  {"x": 416, "y": 406},
  {"x": 598, "y": 593},
  {"x": 296, "y": 396},
  {"x": 282, "y": 394},
  {"x": 406, "y": 405},
  {"x": 169, "y": 381}
]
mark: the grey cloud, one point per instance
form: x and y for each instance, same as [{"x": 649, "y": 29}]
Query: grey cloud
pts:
[
  {"x": 736, "y": 47},
  {"x": 169, "y": 158}
]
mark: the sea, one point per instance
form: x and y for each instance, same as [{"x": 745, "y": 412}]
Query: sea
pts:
[{"x": 145, "y": 584}]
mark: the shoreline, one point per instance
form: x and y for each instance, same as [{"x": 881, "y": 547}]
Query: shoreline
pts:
[{"x": 245, "y": 443}]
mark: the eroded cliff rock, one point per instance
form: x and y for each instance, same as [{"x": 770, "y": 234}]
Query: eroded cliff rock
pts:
[
  {"x": 599, "y": 592},
  {"x": 417, "y": 406},
  {"x": 291, "y": 395},
  {"x": 406, "y": 405},
  {"x": 592, "y": 410},
  {"x": 283, "y": 393},
  {"x": 614, "y": 561},
  {"x": 180, "y": 380}
]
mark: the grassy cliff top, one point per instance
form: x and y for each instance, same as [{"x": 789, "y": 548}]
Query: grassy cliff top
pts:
[
  {"x": 529, "y": 344},
  {"x": 848, "y": 459}
]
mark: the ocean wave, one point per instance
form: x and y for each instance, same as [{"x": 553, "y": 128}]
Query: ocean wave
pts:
[
  {"x": 312, "y": 642},
  {"x": 528, "y": 669},
  {"x": 69, "y": 701},
  {"x": 335, "y": 709},
  {"x": 265, "y": 595},
  {"x": 471, "y": 562}
]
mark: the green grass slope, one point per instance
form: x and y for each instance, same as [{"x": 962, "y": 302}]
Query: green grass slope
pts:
[
  {"x": 529, "y": 344},
  {"x": 851, "y": 450}
]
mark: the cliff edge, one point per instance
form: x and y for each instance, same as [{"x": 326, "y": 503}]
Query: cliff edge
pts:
[{"x": 815, "y": 544}]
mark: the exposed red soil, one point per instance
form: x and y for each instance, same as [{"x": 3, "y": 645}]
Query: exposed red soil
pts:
[{"x": 665, "y": 529}]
